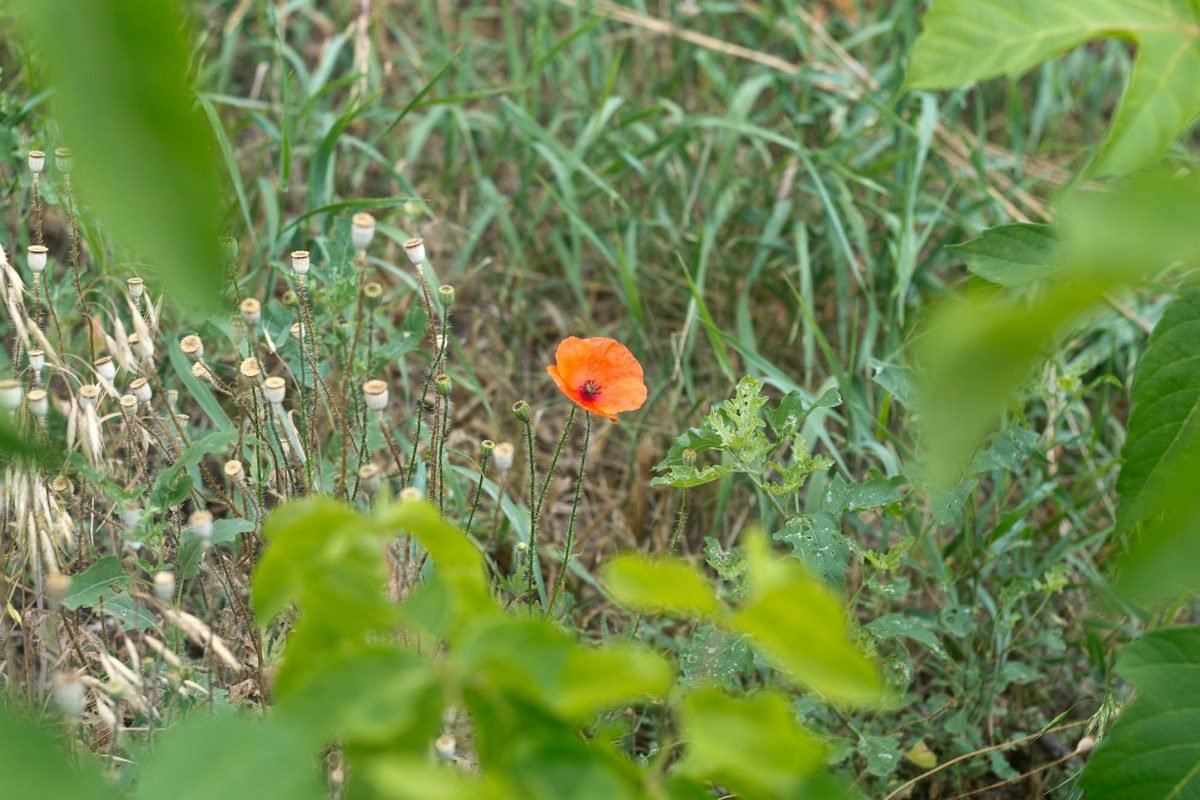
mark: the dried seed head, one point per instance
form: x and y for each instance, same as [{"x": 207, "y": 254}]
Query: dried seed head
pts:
[
  {"x": 446, "y": 295},
  {"x": 234, "y": 470},
  {"x": 37, "y": 256},
  {"x": 300, "y": 263},
  {"x": 369, "y": 477},
  {"x": 192, "y": 347},
  {"x": 446, "y": 746},
  {"x": 64, "y": 160},
  {"x": 443, "y": 384},
  {"x": 10, "y": 394},
  {"x": 275, "y": 389},
  {"x": 62, "y": 485},
  {"x": 415, "y": 248},
  {"x": 373, "y": 293},
  {"x": 37, "y": 360},
  {"x": 140, "y": 389},
  {"x": 297, "y": 330},
  {"x": 251, "y": 311},
  {"x": 521, "y": 410},
  {"x": 375, "y": 395},
  {"x": 57, "y": 587},
  {"x": 37, "y": 161},
  {"x": 128, "y": 404},
  {"x": 250, "y": 368},
  {"x": 39, "y": 403},
  {"x": 503, "y": 456},
  {"x": 237, "y": 330},
  {"x": 131, "y": 514},
  {"x": 137, "y": 288},
  {"x": 164, "y": 585},
  {"x": 200, "y": 372},
  {"x": 70, "y": 694},
  {"x": 410, "y": 494},
  {"x": 106, "y": 368},
  {"x": 201, "y": 523},
  {"x": 142, "y": 348},
  {"x": 362, "y": 230},
  {"x": 89, "y": 393},
  {"x": 486, "y": 448}
]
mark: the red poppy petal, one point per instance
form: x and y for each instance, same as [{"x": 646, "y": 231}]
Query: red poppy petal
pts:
[
  {"x": 627, "y": 394},
  {"x": 610, "y": 361},
  {"x": 571, "y": 358},
  {"x": 566, "y": 388}
]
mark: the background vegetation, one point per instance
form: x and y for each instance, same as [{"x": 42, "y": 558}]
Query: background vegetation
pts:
[{"x": 731, "y": 189}]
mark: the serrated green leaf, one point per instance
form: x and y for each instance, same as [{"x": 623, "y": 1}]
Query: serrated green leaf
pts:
[
  {"x": 1162, "y": 455},
  {"x": 964, "y": 41},
  {"x": 659, "y": 585},
  {"x": 919, "y": 629},
  {"x": 685, "y": 477},
  {"x": 1153, "y": 750},
  {"x": 876, "y": 491},
  {"x": 95, "y": 582},
  {"x": 1011, "y": 255},
  {"x": 791, "y": 411},
  {"x": 713, "y": 657}
]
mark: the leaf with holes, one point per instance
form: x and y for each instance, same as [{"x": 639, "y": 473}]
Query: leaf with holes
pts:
[
  {"x": 965, "y": 41},
  {"x": 1011, "y": 255}
]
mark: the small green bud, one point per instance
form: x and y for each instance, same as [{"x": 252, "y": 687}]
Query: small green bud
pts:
[
  {"x": 446, "y": 295},
  {"x": 521, "y": 410},
  {"x": 373, "y": 293},
  {"x": 689, "y": 457},
  {"x": 289, "y": 298},
  {"x": 443, "y": 384},
  {"x": 486, "y": 447}
]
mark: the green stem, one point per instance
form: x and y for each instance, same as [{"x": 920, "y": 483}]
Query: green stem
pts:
[
  {"x": 532, "y": 512},
  {"x": 680, "y": 521},
  {"x": 478, "y": 492},
  {"x": 562, "y": 575}
]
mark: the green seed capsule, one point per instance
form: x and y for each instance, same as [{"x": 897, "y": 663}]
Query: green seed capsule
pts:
[
  {"x": 521, "y": 410},
  {"x": 446, "y": 295},
  {"x": 443, "y": 384}
]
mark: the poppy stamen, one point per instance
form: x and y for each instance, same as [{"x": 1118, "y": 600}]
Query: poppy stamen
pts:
[{"x": 589, "y": 391}]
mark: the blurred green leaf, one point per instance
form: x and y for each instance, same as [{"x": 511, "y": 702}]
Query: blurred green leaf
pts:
[
  {"x": 232, "y": 757},
  {"x": 95, "y": 582},
  {"x": 801, "y": 627},
  {"x": 965, "y": 41},
  {"x": 753, "y": 745},
  {"x": 1153, "y": 750},
  {"x": 35, "y": 765},
  {"x": 415, "y": 778},
  {"x": 713, "y": 657},
  {"x": 1162, "y": 457},
  {"x": 146, "y": 161},
  {"x": 659, "y": 585},
  {"x": 1011, "y": 255}
]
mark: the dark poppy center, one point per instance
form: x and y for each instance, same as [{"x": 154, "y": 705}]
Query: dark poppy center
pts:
[{"x": 589, "y": 391}]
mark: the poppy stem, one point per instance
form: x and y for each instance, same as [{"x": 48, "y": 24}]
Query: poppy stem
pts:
[
  {"x": 562, "y": 575},
  {"x": 532, "y": 513},
  {"x": 680, "y": 521},
  {"x": 483, "y": 466}
]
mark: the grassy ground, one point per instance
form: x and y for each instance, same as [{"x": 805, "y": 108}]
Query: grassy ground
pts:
[{"x": 729, "y": 188}]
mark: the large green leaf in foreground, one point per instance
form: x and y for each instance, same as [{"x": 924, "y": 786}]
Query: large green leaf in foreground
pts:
[
  {"x": 1162, "y": 456},
  {"x": 146, "y": 159},
  {"x": 970, "y": 40},
  {"x": 1153, "y": 751}
]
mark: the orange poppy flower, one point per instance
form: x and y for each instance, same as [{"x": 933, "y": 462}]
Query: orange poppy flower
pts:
[{"x": 600, "y": 375}]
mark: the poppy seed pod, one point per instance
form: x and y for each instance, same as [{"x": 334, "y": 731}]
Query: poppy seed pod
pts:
[
  {"x": 289, "y": 298},
  {"x": 64, "y": 160},
  {"x": 486, "y": 448},
  {"x": 415, "y": 249},
  {"x": 70, "y": 693},
  {"x": 37, "y": 161},
  {"x": 410, "y": 494},
  {"x": 89, "y": 393},
  {"x": 444, "y": 385},
  {"x": 234, "y": 470},
  {"x": 250, "y": 368},
  {"x": 137, "y": 287},
  {"x": 142, "y": 348},
  {"x": 37, "y": 258},
  {"x": 689, "y": 457},
  {"x": 164, "y": 585},
  {"x": 362, "y": 231},
  {"x": 373, "y": 293},
  {"x": 521, "y": 410},
  {"x": 275, "y": 389},
  {"x": 200, "y": 372},
  {"x": 37, "y": 361},
  {"x": 300, "y": 262},
  {"x": 368, "y": 477},
  {"x": 251, "y": 311},
  {"x": 39, "y": 403},
  {"x": 503, "y": 456},
  {"x": 297, "y": 330},
  {"x": 140, "y": 389},
  {"x": 192, "y": 347},
  {"x": 446, "y": 295},
  {"x": 105, "y": 368},
  {"x": 375, "y": 395},
  {"x": 446, "y": 746},
  {"x": 131, "y": 514},
  {"x": 201, "y": 523},
  {"x": 128, "y": 404},
  {"x": 10, "y": 394}
]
